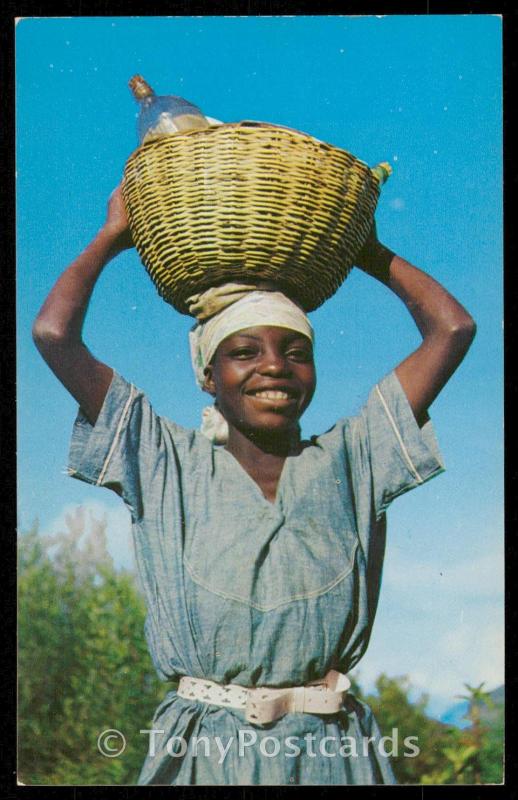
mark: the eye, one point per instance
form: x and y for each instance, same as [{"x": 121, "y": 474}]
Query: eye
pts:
[
  {"x": 242, "y": 352},
  {"x": 300, "y": 354}
]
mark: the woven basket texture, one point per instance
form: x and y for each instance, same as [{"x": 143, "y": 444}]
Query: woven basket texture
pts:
[{"x": 247, "y": 202}]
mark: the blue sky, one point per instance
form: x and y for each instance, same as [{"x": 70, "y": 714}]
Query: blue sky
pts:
[{"x": 422, "y": 92}]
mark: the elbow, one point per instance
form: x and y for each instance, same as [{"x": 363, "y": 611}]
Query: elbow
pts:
[
  {"x": 462, "y": 330},
  {"x": 465, "y": 328},
  {"x": 47, "y": 334},
  {"x": 41, "y": 331}
]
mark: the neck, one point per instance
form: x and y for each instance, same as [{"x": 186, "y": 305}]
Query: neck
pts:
[{"x": 263, "y": 445}]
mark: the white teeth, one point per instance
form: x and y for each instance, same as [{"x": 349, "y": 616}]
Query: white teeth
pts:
[{"x": 272, "y": 395}]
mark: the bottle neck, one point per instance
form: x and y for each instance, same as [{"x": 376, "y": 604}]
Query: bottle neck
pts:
[{"x": 140, "y": 88}]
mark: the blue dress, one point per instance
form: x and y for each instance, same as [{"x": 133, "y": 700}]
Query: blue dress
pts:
[{"x": 241, "y": 590}]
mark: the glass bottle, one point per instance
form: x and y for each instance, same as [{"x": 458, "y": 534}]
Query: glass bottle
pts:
[{"x": 163, "y": 115}]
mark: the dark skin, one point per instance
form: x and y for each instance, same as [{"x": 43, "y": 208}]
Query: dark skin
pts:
[
  {"x": 262, "y": 432},
  {"x": 263, "y": 379}
]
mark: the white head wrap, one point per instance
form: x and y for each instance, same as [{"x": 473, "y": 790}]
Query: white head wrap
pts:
[{"x": 256, "y": 308}]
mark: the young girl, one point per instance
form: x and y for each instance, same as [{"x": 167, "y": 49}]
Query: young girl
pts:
[{"x": 260, "y": 554}]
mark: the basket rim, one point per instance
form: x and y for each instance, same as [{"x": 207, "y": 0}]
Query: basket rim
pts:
[{"x": 255, "y": 125}]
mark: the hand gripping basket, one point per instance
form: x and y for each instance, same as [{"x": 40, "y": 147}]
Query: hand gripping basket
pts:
[{"x": 246, "y": 202}]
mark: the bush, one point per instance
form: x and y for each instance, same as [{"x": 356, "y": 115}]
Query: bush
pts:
[{"x": 83, "y": 662}]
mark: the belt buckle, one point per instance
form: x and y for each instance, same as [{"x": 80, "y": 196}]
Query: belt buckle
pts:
[
  {"x": 298, "y": 696},
  {"x": 263, "y": 710}
]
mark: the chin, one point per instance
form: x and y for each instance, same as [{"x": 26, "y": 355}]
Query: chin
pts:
[{"x": 277, "y": 424}]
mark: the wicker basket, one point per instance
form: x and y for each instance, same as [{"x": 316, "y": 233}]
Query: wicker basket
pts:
[{"x": 248, "y": 201}]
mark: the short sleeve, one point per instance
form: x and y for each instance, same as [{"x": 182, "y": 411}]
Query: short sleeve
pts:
[
  {"x": 123, "y": 451},
  {"x": 386, "y": 445}
]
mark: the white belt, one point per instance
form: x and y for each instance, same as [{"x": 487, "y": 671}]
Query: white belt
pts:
[{"x": 262, "y": 704}]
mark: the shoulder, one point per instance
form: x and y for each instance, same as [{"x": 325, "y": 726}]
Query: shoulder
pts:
[
  {"x": 127, "y": 407},
  {"x": 383, "y": 400}
]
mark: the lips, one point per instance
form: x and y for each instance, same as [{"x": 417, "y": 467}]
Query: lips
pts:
[
  {"x": 270, "y": 395},
  {"x": 274, "y": 398},
  {"x": 273, "y": 393}
]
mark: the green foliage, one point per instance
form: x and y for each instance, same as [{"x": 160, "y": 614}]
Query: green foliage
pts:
[
  {"x": 83, "y": 662},
  {"x": 84, "y": 668},
  {"x": 483, "y": 741},
  {"x": 447, "y": 754},
  {"x": 393, "y": 709},
  {"x": 492, "y": 753}
]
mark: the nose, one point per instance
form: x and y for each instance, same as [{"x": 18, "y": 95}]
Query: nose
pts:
[{"x": 274, "y": 363}]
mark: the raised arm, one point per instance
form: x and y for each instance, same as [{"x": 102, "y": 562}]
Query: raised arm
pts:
[
  {"x": 57, "y": 330},
  {"x": 446, "y": 327}
]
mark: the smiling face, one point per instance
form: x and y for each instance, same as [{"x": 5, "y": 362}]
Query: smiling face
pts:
[{"x": 263, "y": 378}]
